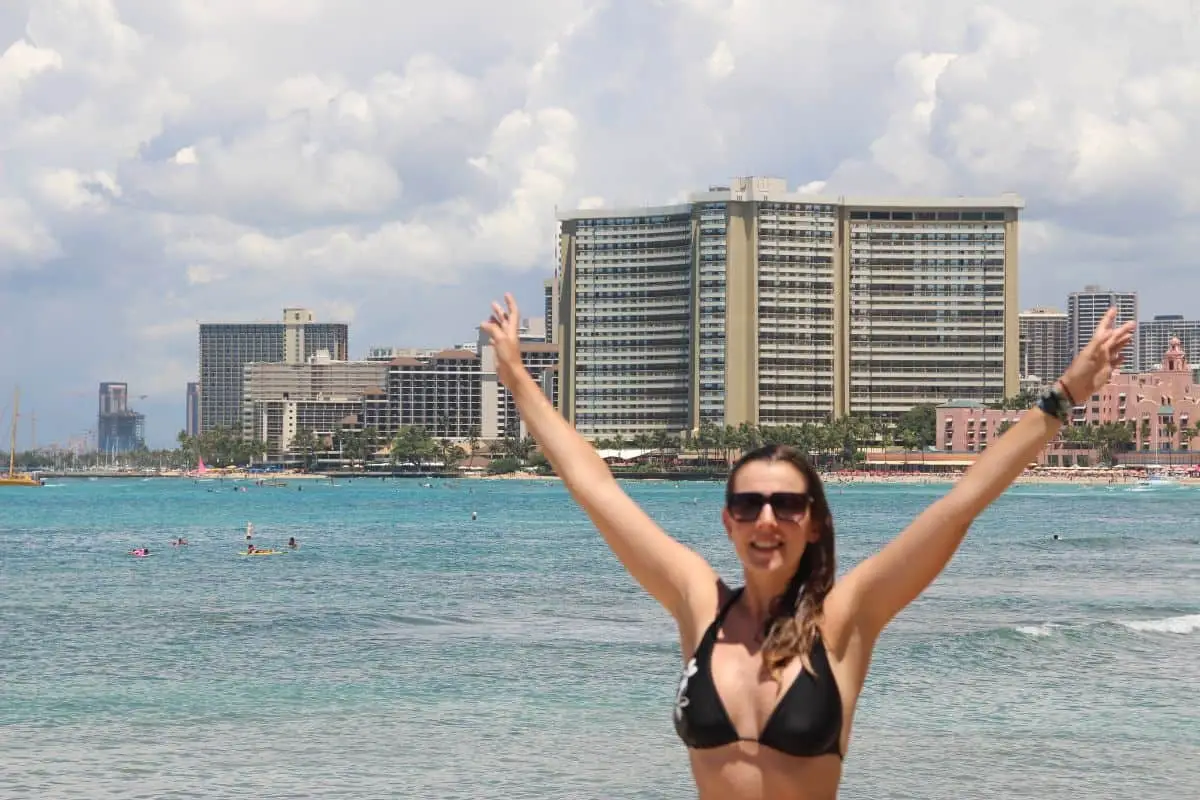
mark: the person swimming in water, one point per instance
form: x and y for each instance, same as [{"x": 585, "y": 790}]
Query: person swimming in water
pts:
[
  {"x": 292, "y": 543},
  {"x": 772, "y": 670}
]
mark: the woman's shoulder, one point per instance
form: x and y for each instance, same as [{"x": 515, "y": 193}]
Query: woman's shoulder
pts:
[{"x": 701, "y": 609}]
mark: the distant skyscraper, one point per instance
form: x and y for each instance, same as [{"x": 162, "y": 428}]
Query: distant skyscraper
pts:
[
  {"x": 1084, "y": 310},
  {"x": 1045, "y": 343},
  {"x": 1154, "y": 338},
  {"x": 192, "y": 421},
  {"x": 114, "y": 398},
  {"x": 119, "y": 429},
  {"x": 550, "y": 291},
  {"x": 227, "y": 347},
  {"x": 532, "y": 329}
]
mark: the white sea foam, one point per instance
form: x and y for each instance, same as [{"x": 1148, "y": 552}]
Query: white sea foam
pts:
[
  {"x": 1046, "y": 629},
  {"x": 1189, "y": 623}
]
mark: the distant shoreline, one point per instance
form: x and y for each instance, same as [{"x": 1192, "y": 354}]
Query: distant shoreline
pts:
[
  {"x": 234, "y": 476},
  {"x": 1099, "y": 478},
  {"x": 916, "y": 479}
]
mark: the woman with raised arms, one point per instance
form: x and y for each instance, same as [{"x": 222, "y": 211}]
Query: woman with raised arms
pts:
[{"x": 773, "y": 669}]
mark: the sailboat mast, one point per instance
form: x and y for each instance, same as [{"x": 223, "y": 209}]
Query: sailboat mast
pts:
[{"x": 12, "y": 439}]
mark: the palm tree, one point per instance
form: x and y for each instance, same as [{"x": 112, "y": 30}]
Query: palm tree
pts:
[
  {"x": 1186, "y": 434},
  {"x": 473, "y": 441},
  {"x": 304, "y": 444}
]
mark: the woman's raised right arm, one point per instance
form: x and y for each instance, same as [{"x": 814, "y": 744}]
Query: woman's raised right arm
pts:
[{"x": 667, "y": 569}]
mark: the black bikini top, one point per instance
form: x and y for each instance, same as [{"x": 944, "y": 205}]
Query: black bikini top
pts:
[{"x": 806, "y": 722}]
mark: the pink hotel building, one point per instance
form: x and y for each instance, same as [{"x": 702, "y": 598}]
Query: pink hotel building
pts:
[{"x": 1162, "y": 409}]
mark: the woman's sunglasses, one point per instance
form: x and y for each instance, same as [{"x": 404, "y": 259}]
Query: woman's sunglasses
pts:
[{"x": 786, "y": 506}]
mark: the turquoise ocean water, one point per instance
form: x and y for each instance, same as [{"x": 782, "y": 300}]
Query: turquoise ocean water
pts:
[{"x": 407, "y": 651}]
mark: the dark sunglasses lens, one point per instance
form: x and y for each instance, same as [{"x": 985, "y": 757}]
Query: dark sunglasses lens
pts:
[
  {"x": 790, "y": 506},
  {"x": 746, "y": 507}
]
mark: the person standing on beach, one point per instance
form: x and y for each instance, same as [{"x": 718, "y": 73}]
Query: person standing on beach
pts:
[{"x": 773, "y": 669}]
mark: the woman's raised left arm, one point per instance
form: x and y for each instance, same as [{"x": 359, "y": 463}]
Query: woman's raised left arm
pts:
[{"x": 882, "y": 586}]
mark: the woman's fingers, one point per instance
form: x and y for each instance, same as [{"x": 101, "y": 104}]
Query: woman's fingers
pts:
[{"x": 504, "y": 321}]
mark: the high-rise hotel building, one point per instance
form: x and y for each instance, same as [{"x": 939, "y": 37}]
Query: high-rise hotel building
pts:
[
  {"x": 227, "y": 347},
  {"x": 1085, "y": 310},
  {"x": 1154, "y": 338},
  {"x": 751, "y": 303},
  {"x": 1045, "y": 344}
]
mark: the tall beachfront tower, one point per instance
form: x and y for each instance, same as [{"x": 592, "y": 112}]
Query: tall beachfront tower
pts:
[
  {"x": 1045, "y": 343},
  {"x": 750, "y": 303},
  {"x": 1086, "y": 308},
  {"x": 227, "y": 347}
]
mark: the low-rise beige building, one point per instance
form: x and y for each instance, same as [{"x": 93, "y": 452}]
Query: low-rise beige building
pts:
[{"x": 317, "y": 395}]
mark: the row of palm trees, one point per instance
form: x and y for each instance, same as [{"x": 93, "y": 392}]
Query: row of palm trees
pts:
[
  {"x": 357, "y": 447},
  {"x": 839, "y": 440},
  {"x": 1112, "y": 438},
  {"x": 412, "y": 445}
]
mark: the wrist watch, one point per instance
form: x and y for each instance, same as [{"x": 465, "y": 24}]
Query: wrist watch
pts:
[{"x": 1054, "y": 402}]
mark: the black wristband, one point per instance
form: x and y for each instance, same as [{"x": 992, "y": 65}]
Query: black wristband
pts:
[{"x": 1054, "y": 402}]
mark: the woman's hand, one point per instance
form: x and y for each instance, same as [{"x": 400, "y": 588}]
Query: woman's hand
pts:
[
  {"x": 1095, "y": 363},
  {"x": 503, "y": 327}
]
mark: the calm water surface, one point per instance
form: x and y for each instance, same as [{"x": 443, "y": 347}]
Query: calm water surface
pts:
[{"x": 406, "y": 651}]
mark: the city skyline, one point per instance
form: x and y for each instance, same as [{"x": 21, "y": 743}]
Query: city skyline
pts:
[
  {"x": 1164, "y": 327},
  {"x": 168, "y": 166}
]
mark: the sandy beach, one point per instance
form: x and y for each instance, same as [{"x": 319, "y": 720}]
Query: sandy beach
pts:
[
  {"x": 1082, "y": 477},
  {"x": 1047, "y": 476}
]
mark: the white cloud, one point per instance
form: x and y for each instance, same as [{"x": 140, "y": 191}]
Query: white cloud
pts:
[
  {"x": 24, "y": 239},
  {"x": 277, "y": 170},
  {"x": 199, "y": 274},
  {"x": 68, "y": 190},
  {"x": 401, "y": 166},
  {"x": 21, "y": 62},
  {"x": 721, "y": 63}
]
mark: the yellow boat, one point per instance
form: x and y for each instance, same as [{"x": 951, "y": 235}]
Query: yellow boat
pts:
[
  {"x": 20, "y": 480},
  {"x": 14, "y": 478},
  {"x": 261, "y": 553}
]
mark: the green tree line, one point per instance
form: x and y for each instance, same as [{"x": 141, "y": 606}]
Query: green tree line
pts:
[{"x": 839, "y": 442}]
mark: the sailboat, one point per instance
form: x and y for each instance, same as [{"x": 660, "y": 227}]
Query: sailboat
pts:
[
  {"x": 13, "y": 478},
  {"x": 201, "y": 470}
]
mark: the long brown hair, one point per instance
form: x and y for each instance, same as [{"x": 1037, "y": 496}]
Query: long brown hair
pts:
[{"x": 791, "y": 629}]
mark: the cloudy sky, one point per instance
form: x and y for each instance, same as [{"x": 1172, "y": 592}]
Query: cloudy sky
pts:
[{"x": 397, "y": 164}]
